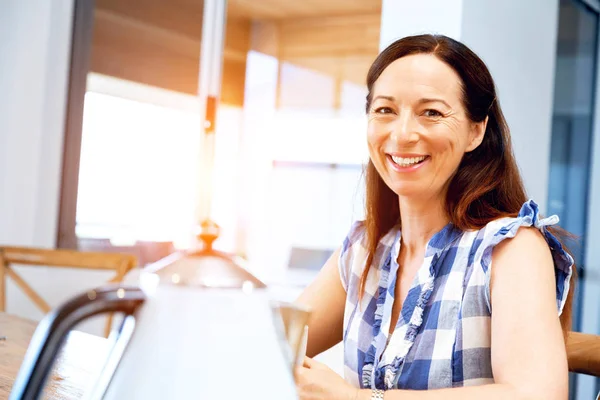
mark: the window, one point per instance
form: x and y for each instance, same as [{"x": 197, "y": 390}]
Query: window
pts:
[
  {"x": 571, "y": 143},
  {"x": 290, "y": 130}
]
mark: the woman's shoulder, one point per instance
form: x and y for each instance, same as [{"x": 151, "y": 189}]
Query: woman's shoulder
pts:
[
  {"x": 528, "y": 216},
  {"x": 530, "y": 230},
  {"x": 528, "y": 226}
]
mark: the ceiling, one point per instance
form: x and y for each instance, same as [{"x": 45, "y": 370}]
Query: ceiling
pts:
[
  {"x": 284, "y": 9},
  {"x": 185, "y": 16},
  {"x": 157, "y": 42}
]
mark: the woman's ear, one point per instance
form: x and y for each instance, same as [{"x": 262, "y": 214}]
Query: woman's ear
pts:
[{"x": 477, "y": 134}]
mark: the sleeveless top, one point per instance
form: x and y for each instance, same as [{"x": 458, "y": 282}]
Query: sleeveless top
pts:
[{"x": 442, "y": 338}]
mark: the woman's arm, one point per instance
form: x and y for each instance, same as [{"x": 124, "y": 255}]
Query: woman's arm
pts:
[
  {"x": 326, "y": 298},
  {"x": 528, "y": 351}
]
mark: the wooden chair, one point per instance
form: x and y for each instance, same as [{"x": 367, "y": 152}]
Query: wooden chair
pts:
[
  {"x": 583, "y": 353},
  {"x": 120, "y": 263}
]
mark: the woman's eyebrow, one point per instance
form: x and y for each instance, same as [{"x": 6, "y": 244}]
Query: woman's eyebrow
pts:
[
  {"x": 421, "y": 101},
  {"x": 389, "y": 98},
  {"x": 432, "y": 100}
]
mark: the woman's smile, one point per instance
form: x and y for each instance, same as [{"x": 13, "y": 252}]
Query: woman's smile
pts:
[{"x": 407, "y": 162}]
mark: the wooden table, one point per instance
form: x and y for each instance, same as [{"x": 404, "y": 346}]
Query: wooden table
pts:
[{"x": 80, "y": 359}]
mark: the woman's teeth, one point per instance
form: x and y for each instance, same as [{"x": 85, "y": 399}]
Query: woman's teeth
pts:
[{"x": 407, "y": 162}]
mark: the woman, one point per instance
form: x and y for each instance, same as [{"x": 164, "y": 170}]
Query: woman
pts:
[{"x": 412, "y": 289}]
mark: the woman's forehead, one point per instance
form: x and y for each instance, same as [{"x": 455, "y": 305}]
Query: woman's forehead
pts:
[{"x": 419, "y": 75}]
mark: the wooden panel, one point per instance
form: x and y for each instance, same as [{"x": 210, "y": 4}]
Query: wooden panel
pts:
[
  {"x": 252, "y": 9},
  {"x": 265, "y": 37},
  {"x": 156, "y": 42},
  {"x": 131, "y": 49},
  {"x": 330, "y": 36},
  {"x": 237, "y": 45},
  {"x": 232, "y": 85},
  {"x": 237, "y": 38},
  {"x": 65, "y": 258},
  {"x": 342, "y": 47},
  {"x": 136, "y": 51},
  {"x": 184, "y": 17},
  {"x": 281, "y": 9}
]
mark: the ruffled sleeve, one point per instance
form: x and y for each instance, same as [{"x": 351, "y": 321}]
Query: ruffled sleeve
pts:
[
  {"x": 496, "y": 231},
  {"x": 353, "y": 244}
]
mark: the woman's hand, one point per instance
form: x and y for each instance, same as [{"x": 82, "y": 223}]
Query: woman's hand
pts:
[{"x": 316, "y": 381}]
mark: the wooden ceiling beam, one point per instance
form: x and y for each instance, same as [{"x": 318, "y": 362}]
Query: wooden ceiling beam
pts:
[
  {"x": 286, "y": 9},
  {"x": 175, "y": 15},
  {"x": 135, "y": 50},
  {"x": 158, "y": 43},
  {"x": 330, "y": 36}
]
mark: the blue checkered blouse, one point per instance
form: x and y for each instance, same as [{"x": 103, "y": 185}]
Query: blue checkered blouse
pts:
[{"x": 443, "y": 334}]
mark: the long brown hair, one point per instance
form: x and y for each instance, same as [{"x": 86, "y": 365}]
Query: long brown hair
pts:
[{"x": 487, "y": 184}]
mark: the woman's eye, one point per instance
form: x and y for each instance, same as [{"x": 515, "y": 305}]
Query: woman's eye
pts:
[
  {"x": 383, "y": 110},
  {"x": 432, "y": 113}
]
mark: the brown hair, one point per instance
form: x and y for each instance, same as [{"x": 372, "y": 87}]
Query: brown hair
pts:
[{"x": 487, "y": 184}]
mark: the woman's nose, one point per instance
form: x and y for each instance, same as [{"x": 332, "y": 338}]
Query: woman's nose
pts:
[{"x": 405, "y": 128}]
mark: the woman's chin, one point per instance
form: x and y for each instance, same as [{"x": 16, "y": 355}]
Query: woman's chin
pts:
[{"x": 411, "y": 191}]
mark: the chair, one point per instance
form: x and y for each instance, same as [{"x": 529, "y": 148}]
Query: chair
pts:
[
  {"x": 583, "y": 353},
  {"x": 120, "y": 263}
]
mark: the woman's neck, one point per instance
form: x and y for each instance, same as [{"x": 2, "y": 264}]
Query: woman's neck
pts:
[{"x": 421, "y": 219}]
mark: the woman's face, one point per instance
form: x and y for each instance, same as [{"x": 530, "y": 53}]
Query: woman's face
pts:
[{"x": 418, "y": 129}]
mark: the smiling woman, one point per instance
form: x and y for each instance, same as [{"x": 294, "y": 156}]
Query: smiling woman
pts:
[
  {"x": 411, "y": 290},
  {"x": 427, "y": 99}
]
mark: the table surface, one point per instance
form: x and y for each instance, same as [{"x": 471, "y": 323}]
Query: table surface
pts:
[
  {"x": 83, "y": 355},
  {"x": 80, "y": 359}
]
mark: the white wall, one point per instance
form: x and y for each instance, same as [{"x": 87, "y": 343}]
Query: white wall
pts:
[
  {"x": 34, "y": 60},
  {"x": 34, "y": 63},
  {"x": 519, "y": 53},
  {"x": 400, "y": 18},
  {"x": 521, "y": 56}
]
